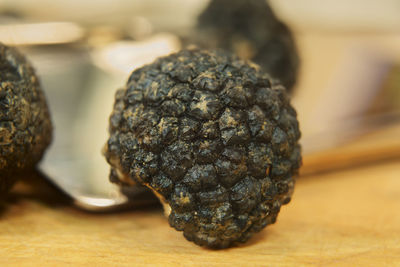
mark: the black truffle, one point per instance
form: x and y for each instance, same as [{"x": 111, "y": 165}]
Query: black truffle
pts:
[
  {"x": 25, "y": 126},
  {"x": 213, "y": 137},
  {"x": 250, "y": 29}
]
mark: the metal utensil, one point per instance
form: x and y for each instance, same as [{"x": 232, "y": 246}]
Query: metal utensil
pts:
[{"x": 80, "y": 86}]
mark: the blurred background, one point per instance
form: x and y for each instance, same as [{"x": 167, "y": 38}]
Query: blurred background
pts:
[{"x": 347, "y": 94}]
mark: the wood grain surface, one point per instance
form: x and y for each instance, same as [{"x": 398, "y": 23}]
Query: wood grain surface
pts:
[{"x": 346, "y": 218}]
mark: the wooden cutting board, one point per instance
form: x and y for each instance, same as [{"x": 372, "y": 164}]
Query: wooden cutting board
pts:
[{"x": 346, "y": 218}]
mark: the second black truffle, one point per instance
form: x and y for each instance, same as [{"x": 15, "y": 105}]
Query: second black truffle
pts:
[
  {"x": 25, "y": 126},
  {"x": 250, "y": 29}
]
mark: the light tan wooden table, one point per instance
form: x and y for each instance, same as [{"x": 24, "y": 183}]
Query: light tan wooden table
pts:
[{"x": 343, "y": 218}]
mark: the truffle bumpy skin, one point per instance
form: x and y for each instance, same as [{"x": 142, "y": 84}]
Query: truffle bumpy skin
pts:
[
  {"x": 25, "y": 126},
  {"x": 250, "y": 29},
  {"x": 213, "y": 138}
]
